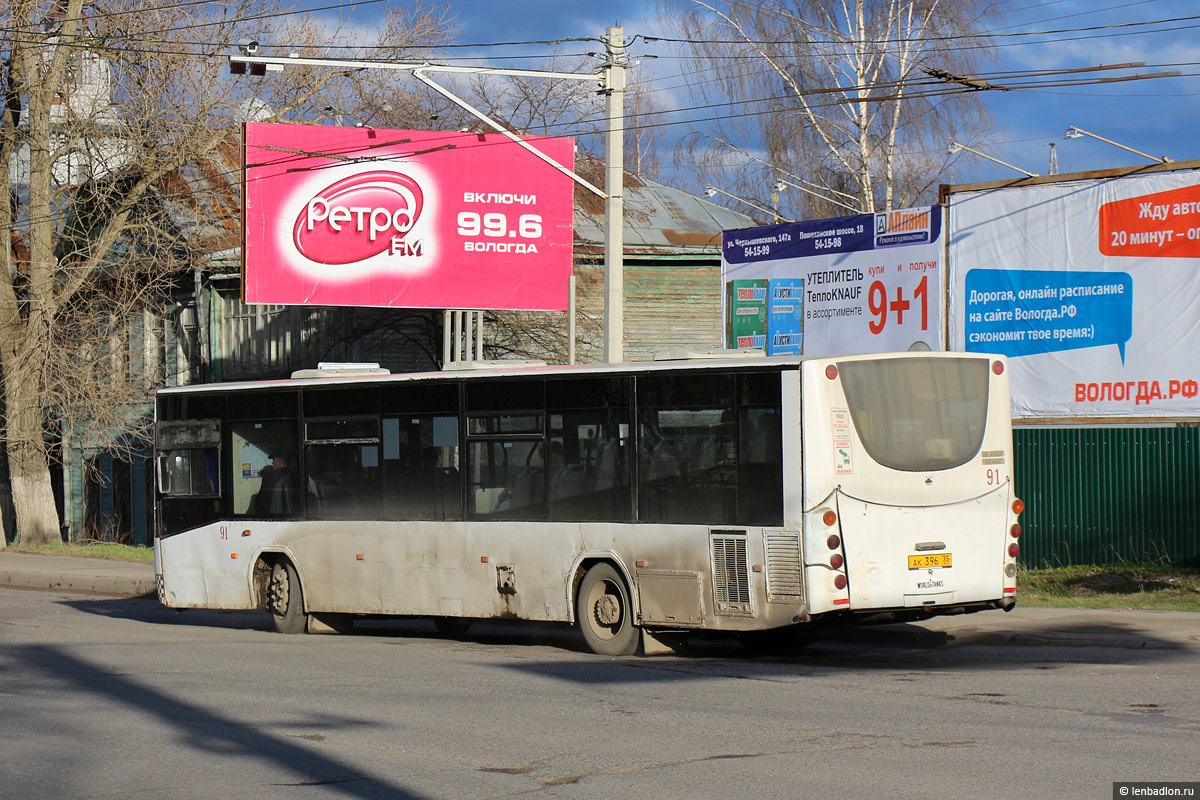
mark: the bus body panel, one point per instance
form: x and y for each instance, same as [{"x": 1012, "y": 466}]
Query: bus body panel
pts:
[
  {"x": 837, "y": 501},
  {"x": 793, "y": 454},
  {"x": 439, "y": 569},
  {"x": 884, "y": 515},
  {"x": 879, "y": 539}
]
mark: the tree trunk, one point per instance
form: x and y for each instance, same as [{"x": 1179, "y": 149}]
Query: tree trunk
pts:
[
  {"x": 29, "y": 466},
  {"x": 33, "y": 496}
]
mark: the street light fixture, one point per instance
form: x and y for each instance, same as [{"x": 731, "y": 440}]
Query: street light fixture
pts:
[
  {"x": 1074, "y": 133},
  {"x": 956, "y": 147},
  {"x": 779, "y": 184},
  {"x": 710, "y": 191}
]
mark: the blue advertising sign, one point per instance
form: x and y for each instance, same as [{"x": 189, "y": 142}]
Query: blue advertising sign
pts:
[
  {"x": 785, "y": 317},
  {"x": 1023, "y": 312}
]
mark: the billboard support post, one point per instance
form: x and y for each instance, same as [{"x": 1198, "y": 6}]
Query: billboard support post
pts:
[{"x": 571, "y": 323}]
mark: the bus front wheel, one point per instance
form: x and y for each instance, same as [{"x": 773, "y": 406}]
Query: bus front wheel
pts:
[
  {"x": 285, "y": 599},
  {"x": 604, "y": 614}
]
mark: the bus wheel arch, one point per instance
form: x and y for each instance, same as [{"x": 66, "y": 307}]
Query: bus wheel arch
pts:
[
  {"x": 604, "y": 609},
  {"x": 284, "y": 596}
]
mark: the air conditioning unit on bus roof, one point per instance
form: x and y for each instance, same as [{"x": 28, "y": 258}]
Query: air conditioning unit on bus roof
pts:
[
  {"x": 330, "y": 369},
  {"x": 496, "y": 363},
  {"x": 687, "y": 355}
]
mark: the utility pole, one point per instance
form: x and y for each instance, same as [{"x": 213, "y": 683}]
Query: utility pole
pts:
[{"x": 614, "y": 188}]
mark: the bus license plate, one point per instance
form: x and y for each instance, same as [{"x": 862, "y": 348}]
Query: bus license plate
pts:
[{"x": 929, "y": 561}]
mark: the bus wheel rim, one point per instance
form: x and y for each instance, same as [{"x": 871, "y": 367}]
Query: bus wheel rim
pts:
[{"x": 604, "y": 601}]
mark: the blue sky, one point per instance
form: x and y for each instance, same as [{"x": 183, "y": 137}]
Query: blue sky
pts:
[{"x": 1158, "y": 117}]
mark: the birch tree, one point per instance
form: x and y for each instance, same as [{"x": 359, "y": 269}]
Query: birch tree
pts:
[{"x": 850, "y": 102}]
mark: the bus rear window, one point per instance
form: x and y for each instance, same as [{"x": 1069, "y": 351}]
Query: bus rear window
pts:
[{"x": 918, "y": 414}]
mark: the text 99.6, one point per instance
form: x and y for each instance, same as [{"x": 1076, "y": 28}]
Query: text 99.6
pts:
[{"x": 496, "y": 224}]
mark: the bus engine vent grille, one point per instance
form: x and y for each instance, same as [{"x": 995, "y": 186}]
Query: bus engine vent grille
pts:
[
  {"x": 731, "y": 576},
  {"x": 785, "y": 573}
]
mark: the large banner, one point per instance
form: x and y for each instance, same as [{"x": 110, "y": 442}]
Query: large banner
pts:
[
  {"x": 416, "y": 219},
  {"x": 863, "y": 284},
  {"x": 1092, "y": 288}
]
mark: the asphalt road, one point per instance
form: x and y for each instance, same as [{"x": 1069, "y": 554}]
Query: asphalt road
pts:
[{"x": 121, "y": 698}]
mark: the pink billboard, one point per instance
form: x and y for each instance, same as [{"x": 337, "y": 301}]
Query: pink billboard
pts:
[{"x": 412, "y": 219}]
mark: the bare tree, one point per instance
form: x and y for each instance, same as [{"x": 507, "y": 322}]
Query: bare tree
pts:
[
  {"x": 853, "y": 100},
  {"x": 101, "y": 111},
  {"x": 552, "y": 107}
]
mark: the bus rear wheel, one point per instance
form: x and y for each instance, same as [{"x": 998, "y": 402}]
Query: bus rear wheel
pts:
[
  {"x": 604, "y": 614},
  {"x": 285, "y": 599}
]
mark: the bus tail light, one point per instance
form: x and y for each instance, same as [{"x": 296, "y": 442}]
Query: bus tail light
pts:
[
  {"x": 1013, "y": 549},
  {"x": 831, "y": 372},
  {"x": 834, "y": 541},
  {"x": 839, "y": 581},
  {"x": 836, "y": 561},
  {"x": 1015, "y": 530},
  {"x": 829, "y": 518},
  {"x": 998, "y": 367},
  {"x": 1018, "y": 505}
]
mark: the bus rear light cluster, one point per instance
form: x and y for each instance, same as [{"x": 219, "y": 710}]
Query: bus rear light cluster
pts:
[
  {"x": 829, "y": 517},
  {"x": 1018, "y": 505},
  {"x": 839, "y": 581},
  {"x": 1013, "y": 549},
  {"x": 834, "y": 541},
  {"x": 836, "y": 561},
  {"x": 1015, "y": 530}
]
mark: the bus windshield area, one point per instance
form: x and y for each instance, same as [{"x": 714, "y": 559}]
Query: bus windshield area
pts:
[{"x": 918, "y": 414}]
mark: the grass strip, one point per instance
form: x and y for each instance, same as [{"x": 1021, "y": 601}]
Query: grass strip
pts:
[
  {"x": 113, "y": 552},
  {"x": 1149, "y": 587}
]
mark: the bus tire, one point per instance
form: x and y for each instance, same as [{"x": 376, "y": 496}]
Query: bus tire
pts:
[
  {"x": 604, "y": 613},
  {"x": 285, "y": 599}
]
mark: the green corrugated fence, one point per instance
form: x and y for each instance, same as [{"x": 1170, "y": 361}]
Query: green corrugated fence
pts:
[{"x": 1106, "y": 495}]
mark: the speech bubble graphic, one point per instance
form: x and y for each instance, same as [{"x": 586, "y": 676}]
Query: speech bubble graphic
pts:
[{"x": 1025, "y": 312}]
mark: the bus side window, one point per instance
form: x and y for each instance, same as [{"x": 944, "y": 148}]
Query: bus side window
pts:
[
  {"x": 420, "y": 476},
  {"x": 760, "y": 467},
  {"x": 263, "y": 469},
  {"x": 342, "y": 468},
  {"x": 588, "y": 472}
]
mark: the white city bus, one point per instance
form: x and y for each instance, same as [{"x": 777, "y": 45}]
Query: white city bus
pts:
[{"x": 757, "y": 497}]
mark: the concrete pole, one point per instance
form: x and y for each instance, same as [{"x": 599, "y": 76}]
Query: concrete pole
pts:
[
  {"x": 468, "y": 335},
  {"x": 614, "y": 210},
  {"x": 479, "y": 336},
  {"x": 458, "y": 335},
  {"x": 571, "y": 322}
]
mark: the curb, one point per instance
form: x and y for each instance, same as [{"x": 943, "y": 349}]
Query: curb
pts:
[{"x": 110, "y": 586}]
